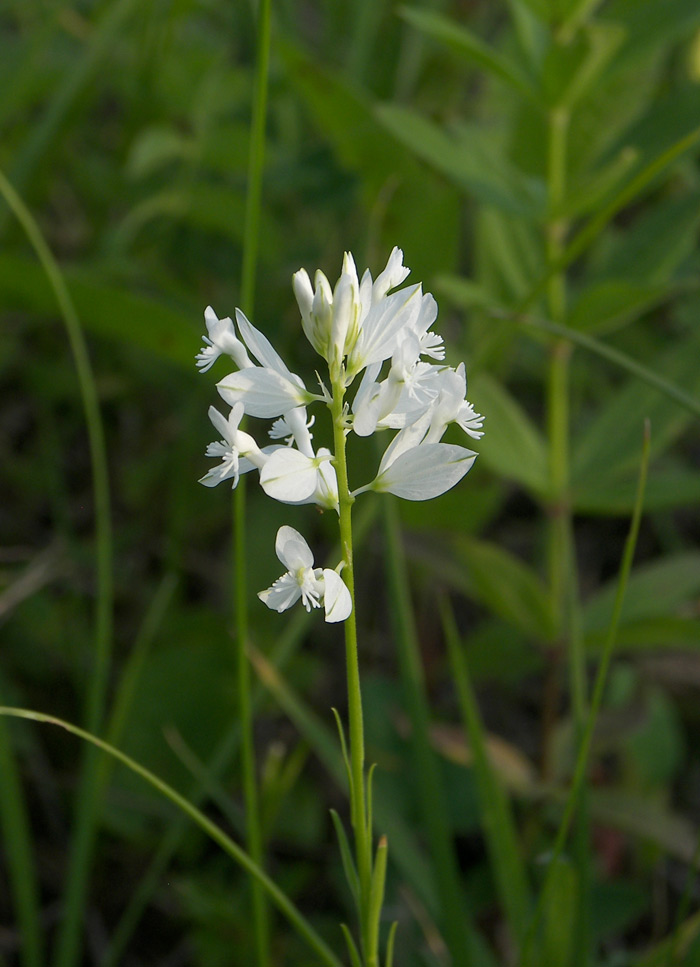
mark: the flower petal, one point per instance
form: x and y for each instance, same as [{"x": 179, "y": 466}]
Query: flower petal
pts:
[
  {"x": 260, "y": 346},
  {"x": 336, "y": 597},
  {"x": 425, "y": 471},
  {"x": 282, "y": 595},
  {"x": 289, "y": 476},
  {"x": 263, "y": 392},
  {"x": 292, "y": 549}
]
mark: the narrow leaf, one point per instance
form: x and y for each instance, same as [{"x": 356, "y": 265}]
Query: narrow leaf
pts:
[{"x": 346, "y": 856}]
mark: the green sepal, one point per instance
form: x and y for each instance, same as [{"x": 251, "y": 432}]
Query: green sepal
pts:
[{"x": 346, "y": 856}]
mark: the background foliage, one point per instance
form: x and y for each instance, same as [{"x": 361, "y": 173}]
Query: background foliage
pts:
[{"x": 537, "y": 162}]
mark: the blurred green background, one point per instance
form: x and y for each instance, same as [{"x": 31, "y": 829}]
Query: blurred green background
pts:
[{"x": 124, "y": 126}]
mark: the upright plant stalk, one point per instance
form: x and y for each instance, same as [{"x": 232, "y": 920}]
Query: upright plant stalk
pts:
[
  {"x": 87, "y": 799},
  {"x": 251, "y": 238},
  {"x": 358, "y": 794},
  {"x": 561, "y": 554}
]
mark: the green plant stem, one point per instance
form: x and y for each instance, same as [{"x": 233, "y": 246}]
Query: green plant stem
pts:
[
  {"x": 358, "y": 794},
  {"x": 561, "y": 551},
  {"x": 458, "y": 932},
  {"x": 280, "y": 899},
  {"x": 251, "y": 239},
  {"x": 85, "y": 822},
  {"x": 596, "y": 700}
]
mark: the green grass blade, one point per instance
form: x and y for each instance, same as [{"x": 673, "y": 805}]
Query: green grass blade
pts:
[
  {"x": 21, "y": 868},
  {"x": 499, "y": 826},
  {"x": 231, "y": 848},
  {"x": 346, "y": 856}
]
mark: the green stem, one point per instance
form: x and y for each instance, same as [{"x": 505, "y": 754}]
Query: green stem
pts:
[
  {"x": 358, "y": 795},
  {"x": 85, "y": 823},
  {"x": 251, "y": 238}
]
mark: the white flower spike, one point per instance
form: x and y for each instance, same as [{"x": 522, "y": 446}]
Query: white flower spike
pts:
[{"x": 315, "y": 587}]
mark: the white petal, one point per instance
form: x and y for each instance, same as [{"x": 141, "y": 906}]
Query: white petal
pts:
[
  {"x": 282, "y": 595},
  {"x": 289, "y": 476},
  {"x": 221, "y": 423},
  {"x": 378, "y": 336},
  {"x": 425, "y": 471},
  {"x": 336, "y": 597},
  {"x": 260, "y": 346},
  {"x": 292, "y": 549},
  {"x": 263, "y": 392}
]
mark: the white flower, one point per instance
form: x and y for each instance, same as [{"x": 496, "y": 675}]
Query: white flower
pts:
[
  {"x": 238, "y": 450},
  {"x": 221, "y": 339},
  {"x": 314, "y": 586},
  {"x": 293, "y": 477}
]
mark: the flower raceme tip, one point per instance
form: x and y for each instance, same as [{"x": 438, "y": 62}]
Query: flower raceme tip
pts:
[{"x": 361, "y": 327}]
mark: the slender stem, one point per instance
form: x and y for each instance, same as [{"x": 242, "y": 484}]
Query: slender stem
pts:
[
  {"x": 256, "y": 160},
  {"x": 87, "y": 801},
  {"x": 358, "y": 796}
]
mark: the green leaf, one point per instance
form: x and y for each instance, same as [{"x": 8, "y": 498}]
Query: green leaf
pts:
[
  {"x": 106, "y": 310},
  {"x": 469, "y": 156},
  {"x": 654, "y": 591},
  {"x": 355, "y": 959},
  {"x": 610, "y": 445},
  {"x": 470, "y": 47},
  {"x": 508, "y": 587},
  {"x": 652, "y": 247},
  {"x": 571, "y": 69},
  {"x": 609, "y": 304},
  {"x": 653, "y": 634},
  {"x": 346, "y": 856},
  {"x": 559, "y": 914},
  {"x": 614, "y": 493},
  {"x": 424, "y": 211},
  {"x": 512, "y": 445}
]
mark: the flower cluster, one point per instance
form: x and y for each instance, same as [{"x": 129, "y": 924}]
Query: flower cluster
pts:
[{"x": 362, "y": 328}]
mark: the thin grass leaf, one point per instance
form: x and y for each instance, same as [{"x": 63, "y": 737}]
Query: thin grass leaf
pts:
[
  {"x": 496, "y": 814},
  {"x": 231, "y": 848},
  {"x": 470, "y": 47},
  {"x": 370, "y": 779},
  {"x": 346, "y": 856},
  {"x": 21, "y": 866}
]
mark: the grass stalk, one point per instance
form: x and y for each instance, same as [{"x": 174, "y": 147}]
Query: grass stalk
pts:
[
  {"x": 251, "y": 240},
  {"x": 85, "y": 822},
  {"x": 434, "y": 807}
]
